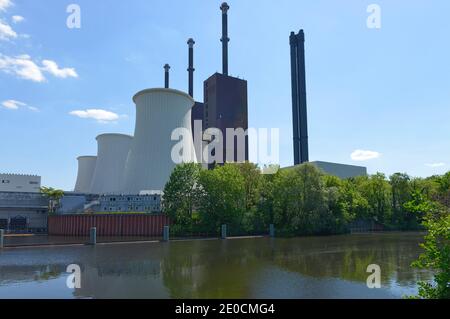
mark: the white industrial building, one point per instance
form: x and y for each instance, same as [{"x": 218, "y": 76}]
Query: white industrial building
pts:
[
  {"x": 112, "y": 155},
  {"x": 158, "y": 113},
  {"x": 22, "y": 207},
  {"x": 20, "y": 183},
  {"x": 86, "y": 168},
  {"x": 23, "y": 211}
]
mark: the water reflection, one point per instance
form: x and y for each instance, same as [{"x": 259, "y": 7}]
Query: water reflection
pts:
[{"x": 316, "y": 267}]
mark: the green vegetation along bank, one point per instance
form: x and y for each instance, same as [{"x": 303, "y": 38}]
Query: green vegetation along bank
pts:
[{"x": 300, "y": 201}]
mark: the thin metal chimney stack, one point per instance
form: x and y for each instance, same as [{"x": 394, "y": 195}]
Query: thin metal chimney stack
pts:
[
  {"x": 191, "y": 69},
  {"x": 299, "y": 107},
  {"x": 166, "y": 75},
  {"x": 225, "y": 7}
]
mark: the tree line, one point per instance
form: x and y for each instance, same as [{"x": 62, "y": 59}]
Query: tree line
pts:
[{"x": 298, "y": 201}]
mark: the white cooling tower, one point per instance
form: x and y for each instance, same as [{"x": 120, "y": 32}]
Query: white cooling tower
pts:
[
  {"x": 111, "y": 157},
  {"x": 86, "y": 167},
  {"x": 158, "y": 113}
]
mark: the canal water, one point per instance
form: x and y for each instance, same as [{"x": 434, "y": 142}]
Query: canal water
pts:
[{"x": 313, "y": 267}]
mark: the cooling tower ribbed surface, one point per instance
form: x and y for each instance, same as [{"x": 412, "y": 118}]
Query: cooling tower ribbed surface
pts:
[
  {"x": 158, "y": 113},
  {"x": 111, "y": 157},
  {"x": 86, "y": 167}
]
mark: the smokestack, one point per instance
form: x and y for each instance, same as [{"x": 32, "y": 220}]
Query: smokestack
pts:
[
  {"x": 303, "y": 115},
  {"x": 225, "y": 7},
  {"x": 295, "y": 119},
  {"x": 191, "y": 69},
  {"x": 166, "y": 76},
  {"x": 299, "y": 107}
]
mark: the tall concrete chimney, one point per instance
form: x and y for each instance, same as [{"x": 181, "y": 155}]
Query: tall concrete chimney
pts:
[
  {"x": 225, "y": 7},
  {"x": 166, "y": 75},
  {"x": 191, "y": 69},
  {"x": 299, "y": 107}
]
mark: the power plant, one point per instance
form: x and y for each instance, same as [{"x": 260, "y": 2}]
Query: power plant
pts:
[
  {"x": 131, "y": 165},
  {"x": 143, "y": 163}
]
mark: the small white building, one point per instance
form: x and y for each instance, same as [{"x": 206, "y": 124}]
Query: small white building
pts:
[{"x": 20, "y": 183}]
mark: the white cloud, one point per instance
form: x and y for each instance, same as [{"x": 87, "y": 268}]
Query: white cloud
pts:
[
  {"x": 24, "y": 67},
  {"x": 6, "y": 32},
  {"x": 12, "y": 104},
  {"x": 15, "y": 105},
  {"x": 4, "y": 4},
  {"x": 21, "y": 66},
  {"x": 435, "y": 165},
  {"x": 53, "y": 68},
  {"x": 17, "y": 19},
  {"x": 32, "y": 108},
  {"x": 99, "y": 115},
  {"x": 362, "y": 155}
]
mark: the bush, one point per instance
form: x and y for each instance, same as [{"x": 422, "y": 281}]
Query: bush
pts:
[{"x": 437, "y": 255}]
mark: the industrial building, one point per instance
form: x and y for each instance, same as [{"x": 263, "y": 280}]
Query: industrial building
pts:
[
  {"x": 22, "y": 207},
  {"x": 78, "y": 203},
  {"x": 147, "y": 203},
  {"x": 20, "y": 183},
  {"x": 225, "y": 107},
  {"x": 342, "y": 171},
  {"x": 23, "y": 212},
  {"x": 226, "y": 102}
]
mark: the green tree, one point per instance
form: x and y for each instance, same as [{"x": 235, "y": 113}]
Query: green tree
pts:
[
  {"x": 443, "y": 195},
  {"x": 401, "y": 194},
  {"x": 437, "y": 253},
  {"x": 377, "y": 192},
  {"x": 353, "y": 203},
  {"x": 223, "y": 198},
  {"x": 252, "y": 183},
  {"x": 253, "y": 222},
  {"x": 300, "y": 206},
  {"x": 265, "y": 211},
  {"x": 54, "y": 196},
  {"x": 181, "y": 193}
]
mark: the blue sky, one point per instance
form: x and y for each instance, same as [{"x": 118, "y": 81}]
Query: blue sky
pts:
[{"x": 381, "y": 90}]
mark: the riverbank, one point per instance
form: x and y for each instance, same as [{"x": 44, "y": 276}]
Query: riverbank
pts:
[
  {"x": 17, "y": 241},
  {"x": 42, "y": 241}
]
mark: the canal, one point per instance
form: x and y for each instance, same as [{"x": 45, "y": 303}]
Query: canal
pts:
[{"x": 313, "y": 267}]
